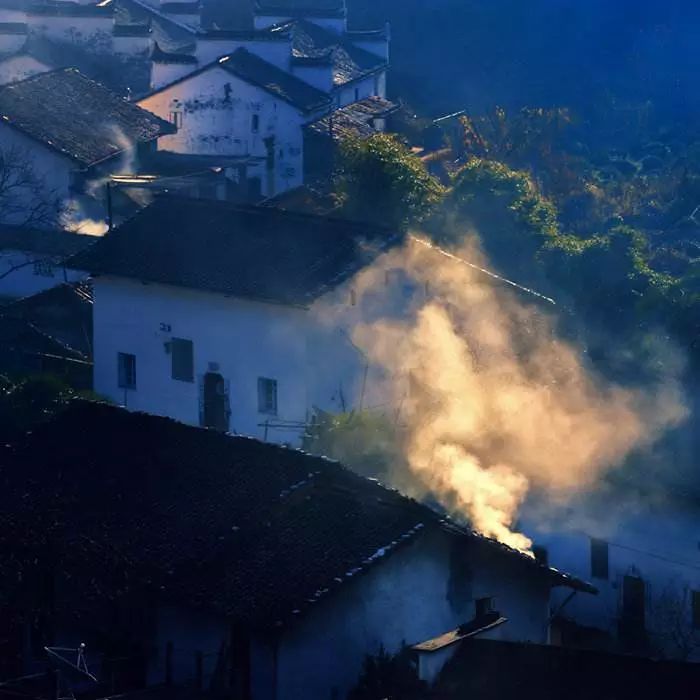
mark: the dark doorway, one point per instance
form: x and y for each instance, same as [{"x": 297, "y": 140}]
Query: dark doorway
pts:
[{"x": 215, "y": 403}]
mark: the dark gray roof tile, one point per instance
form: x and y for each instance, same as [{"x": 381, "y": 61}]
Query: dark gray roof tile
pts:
[
  {"x": 76, "y": 116},
  {"x": 51, "y": 242},
  {"x": 251, "y": 252}
]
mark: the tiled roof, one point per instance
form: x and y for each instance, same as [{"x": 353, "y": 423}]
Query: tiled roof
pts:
[
  {"x": 305, "y": 200},
  {"x": 20, "y": 336},
  {"x": 253, "y": 69},
  {"x": 353, "y": 120},
  {"x": 301, "y": 8},
  {"x": 160, "y": 56},
  {"x": 76, "y": 116},
  {"x": 63, "y": 312},
  {"x": 313, "y": 43},
  {"x": 256, "y": 71},
  {"x": 244, "y": 528},
  {"x": 250, "y": 252},
  {"x": 52, "y": 242},
  {"x": 241, "y": 527}
]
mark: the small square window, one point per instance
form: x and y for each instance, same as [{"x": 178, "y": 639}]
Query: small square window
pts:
[
  {"x": 600, "y": 564},
  {"x": 182, "y": 353},
  {"x": 267, "y": 396},
  {"x": 176, "y": 119},
  {"x": 126, "y": 366}
]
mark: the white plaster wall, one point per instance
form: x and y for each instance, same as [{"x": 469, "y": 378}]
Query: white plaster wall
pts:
[
  {"x": 357, "y": 90},
  {"x": 53, "y": 169},
  {"x": 166, "y": 73},
  {"x": 377, "y": 47},
  {"x": 320, "y": 77},
  {"x": 20, "y": 67},
  {"x": 10, "y": 43},
  {"x": 94, "y": 34},
  {"x": 408, "y": 598},
  {"x": 213, "y": 124},
  {"x": 23, "y": 280},
  {"x": 245, "y": 339},
  {"x": 278, "y": 53},
  {"x": 662, "y": 546},
  {"x": 413, "y": 595},
  {"x": 131, "y": 45},
  {"x": 13, "y": 15}
]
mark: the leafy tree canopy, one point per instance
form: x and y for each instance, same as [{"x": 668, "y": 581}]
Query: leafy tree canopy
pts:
[{"x": 381, "y": 181}]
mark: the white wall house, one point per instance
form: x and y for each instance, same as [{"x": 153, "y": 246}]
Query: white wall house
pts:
[
  {"x": 32, "y": 260},
  {"x": 643, "y": 555},
  {"x": 234, "y": 348},
  {"x": 71, "y": 133},
  {"x": 241, "y": 106},
  {"x": 273, "y": 573}
]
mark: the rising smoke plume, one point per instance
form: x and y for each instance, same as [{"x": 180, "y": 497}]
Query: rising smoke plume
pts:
[{"x": 498, "y": 405}]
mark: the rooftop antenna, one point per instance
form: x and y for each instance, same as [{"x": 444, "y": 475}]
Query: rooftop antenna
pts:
[{"x": 70, "y": 674}]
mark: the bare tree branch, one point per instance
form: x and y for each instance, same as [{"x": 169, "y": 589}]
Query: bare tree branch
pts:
[{"x": 25, "y": 196}]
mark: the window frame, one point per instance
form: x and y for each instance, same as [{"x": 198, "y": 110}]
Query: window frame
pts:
[
  {"x": 126, "y": 373},
  {"x": 176, "y": 118},
  {"x": 187, "y": 376},
  {"x": 268, "y": 404}
]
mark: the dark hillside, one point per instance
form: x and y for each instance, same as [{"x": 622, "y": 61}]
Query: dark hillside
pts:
[{"x": 447, "y": 54}]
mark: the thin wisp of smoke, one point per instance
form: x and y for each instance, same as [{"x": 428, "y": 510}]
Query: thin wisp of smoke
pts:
[{"x": 496, "y": 403}]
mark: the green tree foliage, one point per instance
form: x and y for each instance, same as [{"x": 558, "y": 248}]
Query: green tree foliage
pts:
[
  {"x": 382, "y": 182},
  {"x": 365, "y": 441},
  {"x": 507, "y": 210}
]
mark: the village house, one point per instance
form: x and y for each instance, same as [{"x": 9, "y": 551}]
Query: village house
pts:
[
  {"x": 219, "y": 331},
  {"x": 255, "y": 570},
  {"x": 241, "y": 106},
  {"x": 640, "y": 550},
  {"x": 34, "y": 259},
  {"x": 72, "y": 133},
  {"x": 359, "y": 120}
]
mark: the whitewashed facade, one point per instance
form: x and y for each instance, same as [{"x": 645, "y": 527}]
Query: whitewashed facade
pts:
[
  {"x": 55, "y": 171},
  {"x": 218, "y": 113},
  {"x": 427, "y": 588},
  {"x": 20, "y": 66},
  {"x": 240, "y": 341},
  {"x": 643, "y": 555}
]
